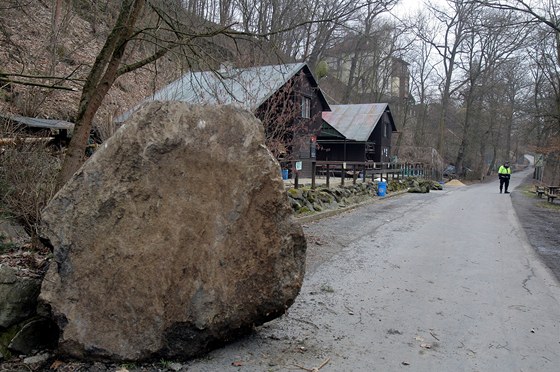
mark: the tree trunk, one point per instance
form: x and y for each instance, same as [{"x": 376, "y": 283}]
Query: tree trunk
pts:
[
  {"x": 442, "y": 126},
  {"x": 482, "y": 163},
  {"x": 100, "y": 79},
  {"x": 465, "y": 137},
  {"x": 349, "y": 85},
  {"x": 404, "y": 117},
  {"x": 492, "y": 164}
]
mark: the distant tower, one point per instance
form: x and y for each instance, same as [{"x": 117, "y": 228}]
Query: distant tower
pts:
[{"x": 400, "y": 79}]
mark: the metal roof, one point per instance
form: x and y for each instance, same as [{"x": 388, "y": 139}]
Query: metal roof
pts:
[
  {"x": 40, "y": 123},
  {"x": 356, "y": 122},
  {"x": 327, "y": 131},
  {"x": 247, "y": 88}
]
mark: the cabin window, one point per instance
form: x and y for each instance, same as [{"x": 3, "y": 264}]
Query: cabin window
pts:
[
  {"x": 385, "y": 130},
  {"x": 305, "y": 107}
]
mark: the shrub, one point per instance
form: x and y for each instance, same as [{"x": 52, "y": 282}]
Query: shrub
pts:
[
  {"x": 5, "y": 245},
  {"x": 28, "y": 173}
]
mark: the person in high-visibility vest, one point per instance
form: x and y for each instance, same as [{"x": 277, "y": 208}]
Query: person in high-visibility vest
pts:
[{"x": 504, "y": 173}]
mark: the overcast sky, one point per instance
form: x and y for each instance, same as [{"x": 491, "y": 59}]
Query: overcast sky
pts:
[{"x": 407, "y": 7}]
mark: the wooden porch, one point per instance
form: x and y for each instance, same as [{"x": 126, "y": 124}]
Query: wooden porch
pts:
[{"x": 335, "y": 173}]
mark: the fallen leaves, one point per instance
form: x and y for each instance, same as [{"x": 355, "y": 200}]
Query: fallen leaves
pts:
[
  {"x": 26, "y": 262},
  {"x": 56, "y": 364}
]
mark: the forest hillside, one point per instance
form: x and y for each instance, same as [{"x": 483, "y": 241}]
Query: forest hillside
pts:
[
  {"x": 28, "y": 48},
  {"x": 43, "y": 69}
]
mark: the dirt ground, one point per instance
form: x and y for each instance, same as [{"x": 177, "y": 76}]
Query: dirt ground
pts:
[
  {"x": 277, "y": 341},
  {"x": 541, "y": 222}
]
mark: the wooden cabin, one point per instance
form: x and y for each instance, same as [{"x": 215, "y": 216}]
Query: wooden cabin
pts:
[{"x": 356, "y": 133}]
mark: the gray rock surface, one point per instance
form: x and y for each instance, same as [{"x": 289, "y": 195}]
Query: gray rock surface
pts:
[
  {"x": 18, "y": 296},
  {"x": 37, "y": 359},
  {"x": 174, "y": 237},
  {"x": 305, "y": 200},
  {"x": 422, "y": 185},
  {"x": 11, "y": 233}
]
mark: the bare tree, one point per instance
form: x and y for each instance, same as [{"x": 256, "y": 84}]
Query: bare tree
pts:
[
  {"x": 545, "y": 104},
  {"x": 372, "y": 51},
  {"x": 27, "y": 176},
  {"x": 104, "y": 72},
  {"x": 286, "y": 129},
  {"x": 546, "y": 17},
  {"x": 423, "y": 75},
  {"x": 491, "y": 44},
  {"x": 309, "y": 41},
  {"x": 456, "y": 23},
  {"x": 544, "y": 12}
]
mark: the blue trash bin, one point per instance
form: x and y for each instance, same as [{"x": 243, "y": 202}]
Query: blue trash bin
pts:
[
  {"x": 284, "y": 174},
  {"x": 381, "y": 188}
]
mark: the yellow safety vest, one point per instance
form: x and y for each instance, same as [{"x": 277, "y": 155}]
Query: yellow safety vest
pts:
[{"x": 504, "y": 170}]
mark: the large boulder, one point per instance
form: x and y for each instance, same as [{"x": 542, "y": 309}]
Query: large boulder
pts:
[{"x": 174, "y": 237}]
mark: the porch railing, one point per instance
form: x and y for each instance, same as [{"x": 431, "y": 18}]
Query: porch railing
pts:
[{"x": 354, "y": 171}]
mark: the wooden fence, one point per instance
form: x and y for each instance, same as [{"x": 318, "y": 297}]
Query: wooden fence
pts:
[{"x": 329, "y": 170}]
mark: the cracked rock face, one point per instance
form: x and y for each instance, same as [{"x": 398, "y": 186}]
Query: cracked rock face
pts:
[{"x": 176, "y": 236}]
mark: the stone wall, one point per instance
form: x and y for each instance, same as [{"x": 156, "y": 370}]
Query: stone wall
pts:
[{"x": 306, "y": 200}]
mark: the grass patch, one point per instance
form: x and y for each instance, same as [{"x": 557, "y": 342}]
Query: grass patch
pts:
[
  {"x": 304, "y": 211},
  {"x": 551, "y": 206},
  {"x": 529, "y": 190}
]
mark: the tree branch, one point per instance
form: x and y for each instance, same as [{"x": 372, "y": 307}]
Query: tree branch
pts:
[
  {"x": 41, "y": 77},
  {"x": 154, "y": 57},
  {"x": 27, "y": 83},
  {"x": 525, "y": 8}
]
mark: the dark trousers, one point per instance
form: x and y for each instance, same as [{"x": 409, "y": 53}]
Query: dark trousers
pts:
[{"x": 504, "y": 182}]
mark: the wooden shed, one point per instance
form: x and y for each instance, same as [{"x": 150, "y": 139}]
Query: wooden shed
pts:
[{"x": 357, "y": 133}]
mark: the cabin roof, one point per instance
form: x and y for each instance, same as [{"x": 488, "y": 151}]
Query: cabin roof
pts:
[
  {"x": 243, "y": 87},
  {"x": 40, "y": 123},
  {"x": 356, "y": 122}
]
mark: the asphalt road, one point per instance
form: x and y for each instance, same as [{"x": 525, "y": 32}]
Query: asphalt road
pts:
[{"x": 444, "y": 281}]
